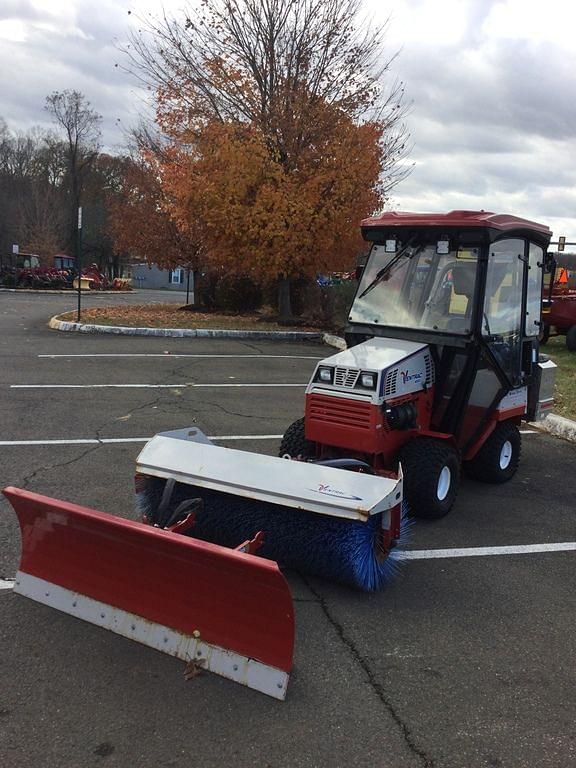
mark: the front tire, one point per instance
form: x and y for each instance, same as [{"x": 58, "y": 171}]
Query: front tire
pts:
[
  {"x": 498, "y": 459},
  {"x": 294, "y": 443},
  {"x": 431, "y": 477}
]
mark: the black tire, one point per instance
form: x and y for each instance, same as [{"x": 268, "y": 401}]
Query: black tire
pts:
[
  {"x": 294, "y": 442},
  {"x": 571, "y": 338},
  {"x": 431, "y": 477},
  {"x": 498, "y": 459}
]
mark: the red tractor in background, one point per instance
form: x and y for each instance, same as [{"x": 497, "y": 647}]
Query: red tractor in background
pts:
[{"x": 559, "y": 306}]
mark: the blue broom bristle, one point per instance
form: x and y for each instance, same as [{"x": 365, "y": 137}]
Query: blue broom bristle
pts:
[{"x": 344, "y": 551}]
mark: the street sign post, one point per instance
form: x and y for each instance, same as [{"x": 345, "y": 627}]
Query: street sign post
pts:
[{"x": 79, "y": 262}]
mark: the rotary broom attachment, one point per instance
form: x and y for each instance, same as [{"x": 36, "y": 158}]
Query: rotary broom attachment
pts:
[{"x": 317, "y": 519}]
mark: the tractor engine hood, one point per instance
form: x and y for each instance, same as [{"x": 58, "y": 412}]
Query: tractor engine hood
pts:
[{"x": 377, "y": 370}]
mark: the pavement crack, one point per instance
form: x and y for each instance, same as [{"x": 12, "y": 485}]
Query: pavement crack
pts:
[
  {"x": 182, "y": 369},
  {"x": 253, "y": 347},
  {"x": 234, "y": 413},
  {"x": 305, "y": 600},
  {"x": 378, "y": 688},
  {"x": 24, "y": 483}
]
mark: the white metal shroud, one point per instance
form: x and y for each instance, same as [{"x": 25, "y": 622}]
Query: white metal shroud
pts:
[{"x": 189, "y": 457}]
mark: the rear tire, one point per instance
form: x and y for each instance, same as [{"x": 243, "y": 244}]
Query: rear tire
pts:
[
  {"x": 294, "y": 442},
  {"x": 431, "y": 477},
  {"x": 571, "y": 338},
  {"x": 498, "y": 459}
]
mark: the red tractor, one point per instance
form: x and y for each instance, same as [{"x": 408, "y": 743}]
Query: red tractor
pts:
[
  {"x": 559, "y": 308},
  {"x": 442, "y": 362}
]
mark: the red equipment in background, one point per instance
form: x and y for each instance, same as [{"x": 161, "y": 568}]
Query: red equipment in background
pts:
[{"x": 559, "y": 308}]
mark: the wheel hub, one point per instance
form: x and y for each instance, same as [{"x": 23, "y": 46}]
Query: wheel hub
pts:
[
  {"x": 444, "y": 483},
  {"x": 506, "y": 455}
]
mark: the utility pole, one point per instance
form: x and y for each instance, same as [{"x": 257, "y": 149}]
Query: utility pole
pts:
[{"x": 79, "y": 261}]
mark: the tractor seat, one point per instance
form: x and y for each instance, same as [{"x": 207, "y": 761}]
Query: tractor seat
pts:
[
  {"x": 463, "y": 283},
  {"x": 464, "y": 279}
]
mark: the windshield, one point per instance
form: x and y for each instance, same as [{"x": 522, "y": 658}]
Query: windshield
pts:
[{"x": 415, "y": 287}]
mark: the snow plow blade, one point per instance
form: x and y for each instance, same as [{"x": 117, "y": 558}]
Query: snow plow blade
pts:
[{"x": 218, "y": 609}]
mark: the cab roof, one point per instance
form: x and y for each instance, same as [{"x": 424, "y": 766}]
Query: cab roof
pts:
[{"x": 503, "y": 222}]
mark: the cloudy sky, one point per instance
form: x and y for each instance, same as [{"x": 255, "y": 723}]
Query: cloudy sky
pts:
[{"x": 492, "y": 86}]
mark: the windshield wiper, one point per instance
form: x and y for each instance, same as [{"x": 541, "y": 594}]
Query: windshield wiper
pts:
[{"x": 381, "y": 274}]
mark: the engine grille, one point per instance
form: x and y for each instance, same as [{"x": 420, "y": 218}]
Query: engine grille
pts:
[
  {"x": 346, "y": 377},
  {"x": 429, "y": 369},
  {"x": 390, "y": 384},
  {"x": 336, "y": 411}
]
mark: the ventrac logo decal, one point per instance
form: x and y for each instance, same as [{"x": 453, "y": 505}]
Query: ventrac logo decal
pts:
[
  {"x": 327, "y": 490},
  {"x": 406, "y": 377}
]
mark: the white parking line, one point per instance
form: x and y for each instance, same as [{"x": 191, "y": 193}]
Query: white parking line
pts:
[
  {"x": 117, "y": 440},
  {"x": 519, "y": 549},
  {"x": 184, "y": 385},
  {"x": 528, "y": 431},
  {"x": 433, "y": 554},
  {"x": 169, "y": 355}
]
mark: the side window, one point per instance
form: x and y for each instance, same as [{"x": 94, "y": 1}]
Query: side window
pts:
[
  {"x": 533, "y": 296},
  {"x": 176, "y": 275},
  {"x": 502, "y": 316},
  {"x": 503, "y": 300}
]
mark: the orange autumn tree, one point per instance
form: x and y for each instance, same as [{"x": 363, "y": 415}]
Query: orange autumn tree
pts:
[
  {"x": 269, "y": 223},
  {"x": 142, "y": 222},
  {"x": 282, "y": 133}
]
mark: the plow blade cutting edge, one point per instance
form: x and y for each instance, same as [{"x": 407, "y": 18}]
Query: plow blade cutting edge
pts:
[{"x": 218, "y": 609}]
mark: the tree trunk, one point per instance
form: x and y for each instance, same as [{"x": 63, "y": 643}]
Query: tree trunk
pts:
[{"x": 285, "y": 315}]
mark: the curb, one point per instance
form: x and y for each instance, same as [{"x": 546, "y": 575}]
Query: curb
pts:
[
  {"x": 334, "y": 341},
  {"x": 189, "y": 333},
  {"x": 72, "y": 292},
  {"x": 558, "y": 426}
]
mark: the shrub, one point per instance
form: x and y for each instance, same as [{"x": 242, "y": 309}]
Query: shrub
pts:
[
  {"x": 237, "y": 294},
  {"x": 298, "y": 289},
  {"x": 8, "y": 280},
  {"x": 328, "y": 306}
]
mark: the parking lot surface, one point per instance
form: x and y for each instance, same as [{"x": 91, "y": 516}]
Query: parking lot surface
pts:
[{"x": 461, "y": 662}]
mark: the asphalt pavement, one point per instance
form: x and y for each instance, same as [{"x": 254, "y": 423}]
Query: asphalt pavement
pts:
[{"x": 461, "y": 662}]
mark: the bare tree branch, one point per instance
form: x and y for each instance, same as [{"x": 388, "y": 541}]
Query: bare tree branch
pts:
[{"x": 270, "y": 63}]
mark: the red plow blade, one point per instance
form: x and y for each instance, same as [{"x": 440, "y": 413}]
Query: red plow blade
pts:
[{"x": 216, "y": 608}]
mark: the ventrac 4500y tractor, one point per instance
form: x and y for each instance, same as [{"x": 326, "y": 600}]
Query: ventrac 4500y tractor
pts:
[{"x": 442, "y": 362}]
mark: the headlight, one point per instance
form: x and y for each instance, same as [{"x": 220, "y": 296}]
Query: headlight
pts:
[
  {"x": 368, "y": 380},
  {"x": 325, "y": 374}
]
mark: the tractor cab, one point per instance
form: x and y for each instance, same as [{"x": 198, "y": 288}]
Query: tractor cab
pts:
[
  {"x": 469, "y": 284},
  {"x": 455, "y": 280}
]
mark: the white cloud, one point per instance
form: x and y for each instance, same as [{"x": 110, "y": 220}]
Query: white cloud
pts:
[
  {"x": 492, "y": 85},
  {"x": 493, "y": 116}
]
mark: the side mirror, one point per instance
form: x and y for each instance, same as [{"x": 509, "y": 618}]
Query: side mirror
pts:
[{"x": 550, "y": 263}]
